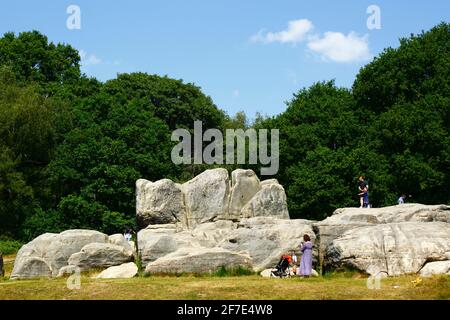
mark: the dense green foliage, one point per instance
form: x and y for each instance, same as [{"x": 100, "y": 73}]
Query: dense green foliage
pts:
[
  {"x": 392, "y": 127},
  {"x": 72, "y": 147},
  {"x": 9, "y": 246}
]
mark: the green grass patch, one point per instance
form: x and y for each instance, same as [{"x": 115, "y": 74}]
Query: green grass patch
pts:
[
  {"x": 251, "y": 287},
  {"x": 233, "y": 272}
]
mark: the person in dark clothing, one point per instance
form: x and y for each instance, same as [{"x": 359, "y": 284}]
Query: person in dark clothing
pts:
[{"x": 363, "y": 189}]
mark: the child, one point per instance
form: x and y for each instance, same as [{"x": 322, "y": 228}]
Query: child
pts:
[{"x": 294, "y": 262}]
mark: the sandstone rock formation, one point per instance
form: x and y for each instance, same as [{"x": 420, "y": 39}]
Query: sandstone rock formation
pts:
[
  {"x": 264, "y": 239},
  {"x": 119, "y": 239},
  {"x": 158, "y": 202},
  {"x": 394, "y": 248},
  {"x": 210, "y": 221},
  {"x": 47, "y": 254},
  {"x": 436, "y": 267},
  {"x": 126, "y": 270},
  {"x": 100, "y": 255},
  {"x": 245, "y": 184},
  {"x": 270, "y": 201},
  {"x": 345, "y": 219},
  {"x": 156, "y": 242},
  {"x": 198, "y": 260},
  {"x": 209, "y": 197},
  {"x": 206, "y": 197}
]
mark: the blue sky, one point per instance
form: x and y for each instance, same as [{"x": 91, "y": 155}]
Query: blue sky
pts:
[{"x": 247, "y": 55}]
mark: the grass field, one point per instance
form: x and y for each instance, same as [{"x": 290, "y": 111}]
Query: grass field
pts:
[{"x": 336, "y": 286}]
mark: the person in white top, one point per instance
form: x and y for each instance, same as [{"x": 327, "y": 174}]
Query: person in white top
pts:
[
  {"x": 127, "y": 235},
  {"x": 401, "y": 200}
]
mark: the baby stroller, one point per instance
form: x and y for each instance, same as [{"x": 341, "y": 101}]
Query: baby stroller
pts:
[{"x": 282, "y": 268}]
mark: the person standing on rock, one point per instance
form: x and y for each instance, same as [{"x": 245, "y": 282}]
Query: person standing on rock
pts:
[
  {"x": 401, "y": 200},
  {"x": 127, "y": 235},
  {"x": 363, "y": 189},
  {"x": 306, "y": 259}
]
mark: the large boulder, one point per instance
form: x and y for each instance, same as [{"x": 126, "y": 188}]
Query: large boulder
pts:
[
  {"x": 212, "y": 233},
  {"x": 156, "y": 246},
  {"x": 269, "y": 201},
  {"x": 413, "y": 212},
  {"x": 245, "y": 184},
  {"x": 265, "y": 239},
  {"x": 159, "y": 240},
  {"x": 198, "y": 260},
  {"x": 435, "y": 268},
  {"x": 100, "y": 255},
  {"x": 392, "y": 248},
  {"x": 345, "y": 219},
  {"x": 120, "y": 240},
  {"x": 268, "y": 181},
  {"x": 31, "y": 267},
  {"x": 126, "y": 270},
  {"x": 156, "y": 241},
  {"x": 209, "y": 197},
  {"x": 158, "y": 202},
  {"x": 206, "y": 197},
  {"x": 49, "y": 252}
]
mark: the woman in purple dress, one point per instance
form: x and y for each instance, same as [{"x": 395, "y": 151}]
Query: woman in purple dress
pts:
[{"x": 306, "y": 260}]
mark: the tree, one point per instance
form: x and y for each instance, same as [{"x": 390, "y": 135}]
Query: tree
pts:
[
  {"x": 30, "y": 130},
  {"x": 318, "y": 119},
  {"x": 176, "y": 103},
  {"x": 71, "y": 147},
  {"x": 16, "y": 197},
  {"x": 419, "y": 66},
  {"x": 33, "y": 58},
  {"x": 100, "y": 161},
  {"x": 403, "y": 97}
]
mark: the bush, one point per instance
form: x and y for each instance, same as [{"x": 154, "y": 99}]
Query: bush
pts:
[
  {"x": 115, "y": 222},
  {"x": 9, "y": 246},
  {"x": 41, "y": 222}
]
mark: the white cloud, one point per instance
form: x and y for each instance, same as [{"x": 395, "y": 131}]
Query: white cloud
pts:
[
  {"x": 331, "y": 46},
  {"x": 338, "y": 47},
  {"x": 89, "y": 59},
  {"x": 296, "y": 32}
]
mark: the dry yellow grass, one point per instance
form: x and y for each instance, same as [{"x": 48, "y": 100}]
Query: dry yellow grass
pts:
[{"x": 338, "y": 286}]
